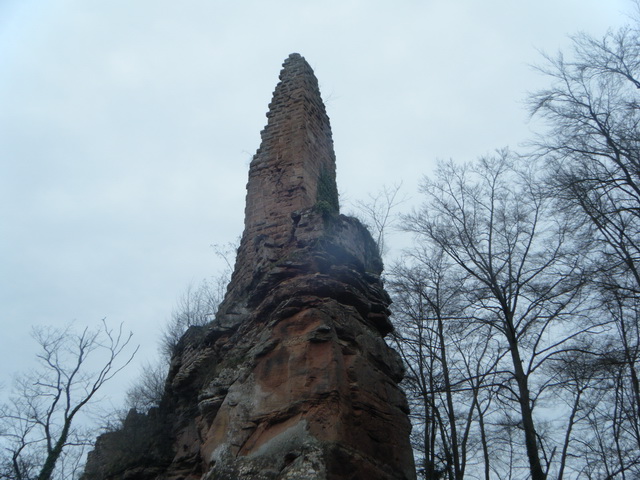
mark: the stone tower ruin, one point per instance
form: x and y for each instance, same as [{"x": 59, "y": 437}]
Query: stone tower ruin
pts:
[{"x": 293, "y": 378}]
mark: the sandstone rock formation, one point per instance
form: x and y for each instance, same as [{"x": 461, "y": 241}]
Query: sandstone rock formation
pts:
[{"x": 293, "y": 379}]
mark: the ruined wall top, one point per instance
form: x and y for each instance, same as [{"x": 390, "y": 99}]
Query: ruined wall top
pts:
[
  {"x": 295, "y": 157},
  {"x": 293, "y": 171}
]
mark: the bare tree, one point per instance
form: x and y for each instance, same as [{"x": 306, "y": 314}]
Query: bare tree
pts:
[
  {"x": 420, "y": 304},
  {"x": 593, "y": 144},
  {"x": 196, "y": 307},
  {"x": 38, "y": 427},
  {"x": 449, "y": 364},
  {"x": 495, "y": 222},
  {"x": 377, "y": 212},
  {"x": 592, "y": 147},
  {"x": 148, "y": 389}
]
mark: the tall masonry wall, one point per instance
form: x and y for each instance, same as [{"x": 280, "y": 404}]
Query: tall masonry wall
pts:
[
  {"x": 295, "y": 159},
  {"x": 296, "y": 150}
]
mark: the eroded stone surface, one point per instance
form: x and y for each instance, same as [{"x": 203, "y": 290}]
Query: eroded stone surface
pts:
[{"x": 293, "y": 379}]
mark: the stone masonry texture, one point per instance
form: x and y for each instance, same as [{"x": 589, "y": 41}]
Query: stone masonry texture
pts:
[{"x": 293, "y": 379}]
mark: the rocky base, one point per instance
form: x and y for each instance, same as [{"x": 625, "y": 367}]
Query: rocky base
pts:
[{"x": 293, "y": 380}]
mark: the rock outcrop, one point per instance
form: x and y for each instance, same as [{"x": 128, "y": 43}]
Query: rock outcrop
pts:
[{"x": 293, "y": 379}]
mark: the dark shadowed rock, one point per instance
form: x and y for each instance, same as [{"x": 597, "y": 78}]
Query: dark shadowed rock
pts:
[{"x": 293, "y": 379}]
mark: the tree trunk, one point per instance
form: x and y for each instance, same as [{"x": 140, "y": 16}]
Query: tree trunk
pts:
[
  {"x": 526, "y": 413},
  {"x": 54, "y": 454}
]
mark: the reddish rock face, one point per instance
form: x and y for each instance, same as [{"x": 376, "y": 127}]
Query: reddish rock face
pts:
[
  {"x": 293, "y": 380},
  {"x": 293, "y": 170}
]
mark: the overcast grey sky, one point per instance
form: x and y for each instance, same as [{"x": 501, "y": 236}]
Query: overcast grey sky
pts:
[{"x": 127, "y": 127}]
